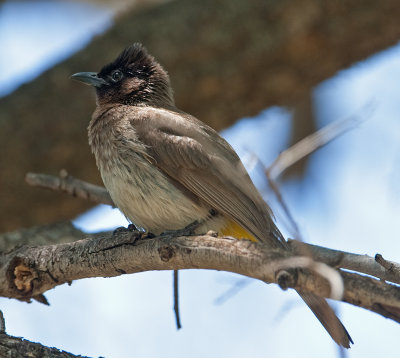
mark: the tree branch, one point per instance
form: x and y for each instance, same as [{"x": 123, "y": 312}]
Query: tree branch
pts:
[
  {"x": 345, "y": 260},
  {"x": 312, "y": 143},
  {"x": 17, "y": 347},
  {"x": 56, "y": 233},
  {"x": 28, "y": 272},
  {"x": 70, "y": 185}
]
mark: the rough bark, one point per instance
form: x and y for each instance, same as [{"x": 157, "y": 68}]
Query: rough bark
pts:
[
  {"x": 29, "y": 271},
  {"x": 56, "y": 233},
  {"x": 16, "y": 347},
  {"x": 227, "y": 59}
]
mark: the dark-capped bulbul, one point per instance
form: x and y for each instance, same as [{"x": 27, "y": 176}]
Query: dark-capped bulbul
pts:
[{"x": 165, "y": 169}]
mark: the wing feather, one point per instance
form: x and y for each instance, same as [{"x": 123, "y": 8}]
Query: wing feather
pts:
[{"x": 194, "y": 155}]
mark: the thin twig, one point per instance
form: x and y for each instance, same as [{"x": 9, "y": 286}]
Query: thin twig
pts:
[
  {"x": 176, "y": 300},
  {"x": 70, "y": 185},
  {"x": 299, "y": 150},
  {"x": 285, "y": 207},
  {"x": 313, "y": 142},
  {"x": 391, "y": 267}
]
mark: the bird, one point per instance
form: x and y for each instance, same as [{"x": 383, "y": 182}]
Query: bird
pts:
[{"x": 166, "y": 170}]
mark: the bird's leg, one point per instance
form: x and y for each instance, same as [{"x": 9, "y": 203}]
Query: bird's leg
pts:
[
  {"x": 147, "y": 235},
  {"x": 186, "y": 231},
  {"x": 134, "y": 232},
  {"x": 132, "y": 227}
]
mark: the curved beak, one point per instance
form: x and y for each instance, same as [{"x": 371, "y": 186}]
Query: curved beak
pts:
[{"x": 89, "y": 78}]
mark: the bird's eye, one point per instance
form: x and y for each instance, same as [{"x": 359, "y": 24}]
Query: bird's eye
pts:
[
  {"x": 116, "y": 76},
  {"x": 140, "y": 74}
]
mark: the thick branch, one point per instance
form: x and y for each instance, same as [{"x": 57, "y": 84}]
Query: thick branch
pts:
[
  {"x": 30, "y": 271},
  {"x": 17, "y": 347},
  {"x": 377, "y": 267}
]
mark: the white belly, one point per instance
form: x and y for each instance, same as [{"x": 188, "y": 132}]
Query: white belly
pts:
[{"x": 149, "y": 200}]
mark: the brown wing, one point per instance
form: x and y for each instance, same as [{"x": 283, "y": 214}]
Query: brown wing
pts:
[{"x": 202, "y": 161}]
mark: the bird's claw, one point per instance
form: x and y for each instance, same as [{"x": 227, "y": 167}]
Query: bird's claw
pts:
[
  {"x": 122, "y": 229},
  {"x": 147, "y": 235},
  {"x": 186, "y": 231}
]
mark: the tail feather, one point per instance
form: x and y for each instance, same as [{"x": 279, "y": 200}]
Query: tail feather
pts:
[
  {"x": 318, "y": 305},
  {"x": 328, "y": 318}
]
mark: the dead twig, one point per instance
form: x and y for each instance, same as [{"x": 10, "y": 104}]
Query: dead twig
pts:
[
  {"x": 70, "y": 185},
  {"x": 313, "y": 142},
  {"x": 176, "y": 300},
  {"x": 391, "y": 268}
]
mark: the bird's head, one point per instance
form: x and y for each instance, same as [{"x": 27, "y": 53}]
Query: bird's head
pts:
[{"x": 133, "y": 78}]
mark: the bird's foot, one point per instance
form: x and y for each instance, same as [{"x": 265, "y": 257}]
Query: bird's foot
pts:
[
  {"x": 147, "y": 235},
  {"x": 131, "y": 230},
  {"x": 186, "y": 231},
  {"x": 122, "y": 229}
]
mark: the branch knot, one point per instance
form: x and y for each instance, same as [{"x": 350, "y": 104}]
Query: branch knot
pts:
[
  {"x": 166, "y": 252},
  {"x": 286, "y": 278},
  {"x": 21, "y": 275}
]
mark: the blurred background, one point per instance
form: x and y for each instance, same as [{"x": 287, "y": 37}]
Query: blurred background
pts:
[{"x": 264, "y": 73}]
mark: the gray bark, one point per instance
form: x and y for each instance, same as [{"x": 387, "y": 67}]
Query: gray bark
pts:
[{"x": 28, "y": 272}]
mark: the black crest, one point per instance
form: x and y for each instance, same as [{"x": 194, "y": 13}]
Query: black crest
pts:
[
  {"x": 135, "y": 78},
  {"x": 133, "y": 57}
]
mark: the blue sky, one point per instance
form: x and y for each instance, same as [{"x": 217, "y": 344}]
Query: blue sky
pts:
[
  {"x": 34, "y": 35},
  {"x": 349, "y": 199}
]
